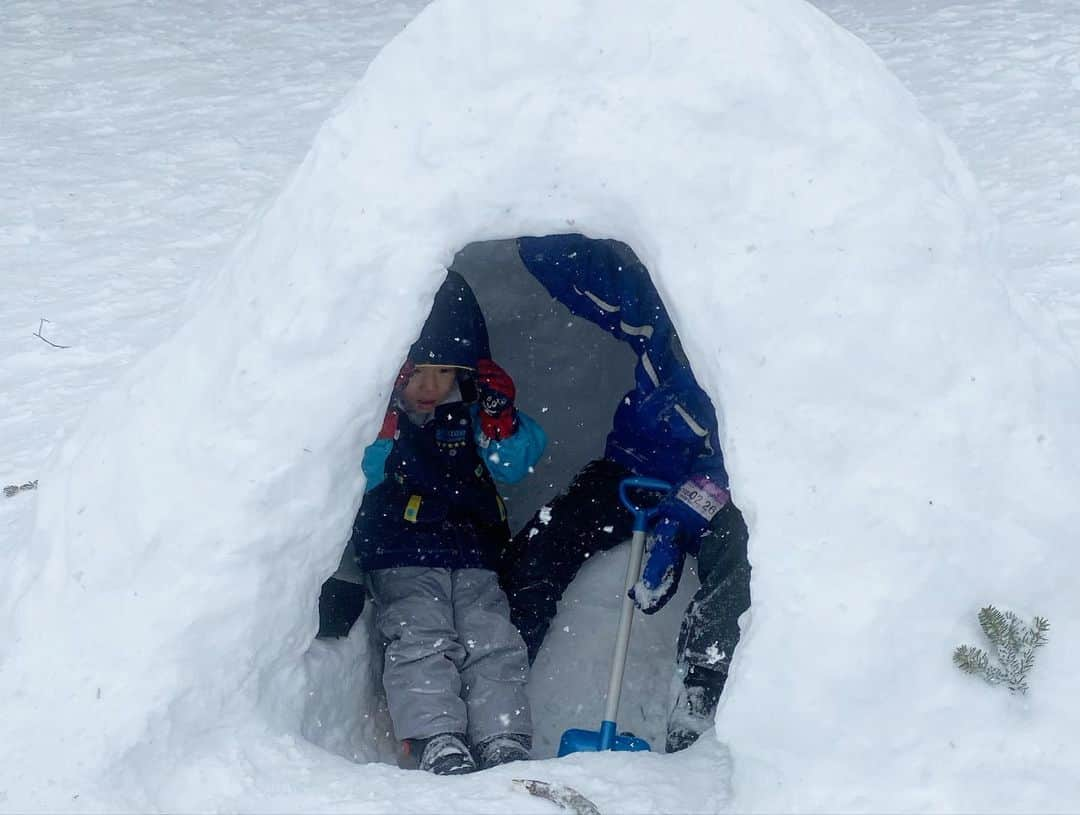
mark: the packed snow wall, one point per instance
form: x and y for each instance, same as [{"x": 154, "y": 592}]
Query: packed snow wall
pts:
[{"x": 825, "y": 259}]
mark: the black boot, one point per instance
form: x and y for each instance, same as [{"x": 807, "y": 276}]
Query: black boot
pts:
[
  {"x": 444, "y": 754},
  {"x": 695, "y": 707},
  {"x": 503, "y": 749}
]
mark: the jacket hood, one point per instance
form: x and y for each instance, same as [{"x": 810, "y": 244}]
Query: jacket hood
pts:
[{"x": 455, "y": 333}]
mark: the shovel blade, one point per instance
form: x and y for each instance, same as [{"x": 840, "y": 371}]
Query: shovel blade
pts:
[{"x": 576, "y": 740}]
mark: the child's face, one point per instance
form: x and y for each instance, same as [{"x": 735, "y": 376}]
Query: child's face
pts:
[{"x": 428, "y": 386}]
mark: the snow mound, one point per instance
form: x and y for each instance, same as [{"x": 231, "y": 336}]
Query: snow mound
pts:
[{"x": 893, "y": 423}]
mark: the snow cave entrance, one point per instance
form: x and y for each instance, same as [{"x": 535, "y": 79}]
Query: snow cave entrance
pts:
[{"x": 570, "y": 376}]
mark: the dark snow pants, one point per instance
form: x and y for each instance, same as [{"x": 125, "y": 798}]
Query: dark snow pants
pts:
[{"x": 545, "y": 555}]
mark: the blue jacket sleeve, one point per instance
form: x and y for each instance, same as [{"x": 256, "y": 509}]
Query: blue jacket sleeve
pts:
[
  {"x": 511, "y": 459},
  {"x": 374, "y": 463},
  {"x": 666, "y": 426}
]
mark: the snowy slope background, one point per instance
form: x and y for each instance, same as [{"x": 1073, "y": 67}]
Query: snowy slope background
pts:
[{"x": 137, "y": 142}]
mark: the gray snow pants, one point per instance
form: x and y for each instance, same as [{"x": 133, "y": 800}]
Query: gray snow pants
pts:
[{"x": 454, "y": 662}]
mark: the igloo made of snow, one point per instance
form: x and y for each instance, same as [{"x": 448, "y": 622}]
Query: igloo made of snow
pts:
[{"x": 890, "y": 418}]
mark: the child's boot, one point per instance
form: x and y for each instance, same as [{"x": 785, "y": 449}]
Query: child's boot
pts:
[
  {"x": 503, "y": 749},
  {"x": 694, "y": 708},
  {"x": 445, "y": 754}
]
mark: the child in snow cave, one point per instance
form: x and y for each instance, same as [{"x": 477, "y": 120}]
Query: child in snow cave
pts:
[
  {"x": 427, "y": 536},
  {"x": 666, "y": 428}
]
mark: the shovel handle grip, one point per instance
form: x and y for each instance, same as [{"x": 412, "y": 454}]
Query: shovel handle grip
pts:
[{"x": 641, "y": 514}]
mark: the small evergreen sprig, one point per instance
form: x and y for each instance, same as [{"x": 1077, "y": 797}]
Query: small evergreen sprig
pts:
[{"x": 1015, "y": 643}]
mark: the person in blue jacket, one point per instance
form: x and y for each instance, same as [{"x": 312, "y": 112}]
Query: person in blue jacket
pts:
[
  {"x": 428, "y": 535},
  {"x": 666, "y": 428}
]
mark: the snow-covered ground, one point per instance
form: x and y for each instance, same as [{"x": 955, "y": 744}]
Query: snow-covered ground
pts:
[
  {"x": 1003, "y": 79},
  {"x": 137, "y": 142}
]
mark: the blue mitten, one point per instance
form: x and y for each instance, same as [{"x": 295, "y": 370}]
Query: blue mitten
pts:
[
  {"x": 694, "y": 504},
  {"x": 683, "y": 517},
  {"x": 664, "y": 559}
]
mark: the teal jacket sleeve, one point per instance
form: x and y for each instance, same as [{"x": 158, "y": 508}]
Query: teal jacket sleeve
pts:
[
  {"x": 511, "y": 459},
  {"x": 374, "y": 463}
]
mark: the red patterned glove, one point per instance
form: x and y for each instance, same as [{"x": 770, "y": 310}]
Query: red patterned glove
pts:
[{"x": 495, "y": 392}]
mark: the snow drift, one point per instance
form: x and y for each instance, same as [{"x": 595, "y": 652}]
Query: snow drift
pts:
[{"x": 893, "y": 425}]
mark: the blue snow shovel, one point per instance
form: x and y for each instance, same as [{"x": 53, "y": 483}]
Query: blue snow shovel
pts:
[{"x": 576, "y": 740}]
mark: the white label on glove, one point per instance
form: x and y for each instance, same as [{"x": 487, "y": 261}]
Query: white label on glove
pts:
[{"x": 704, "y": 497}]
